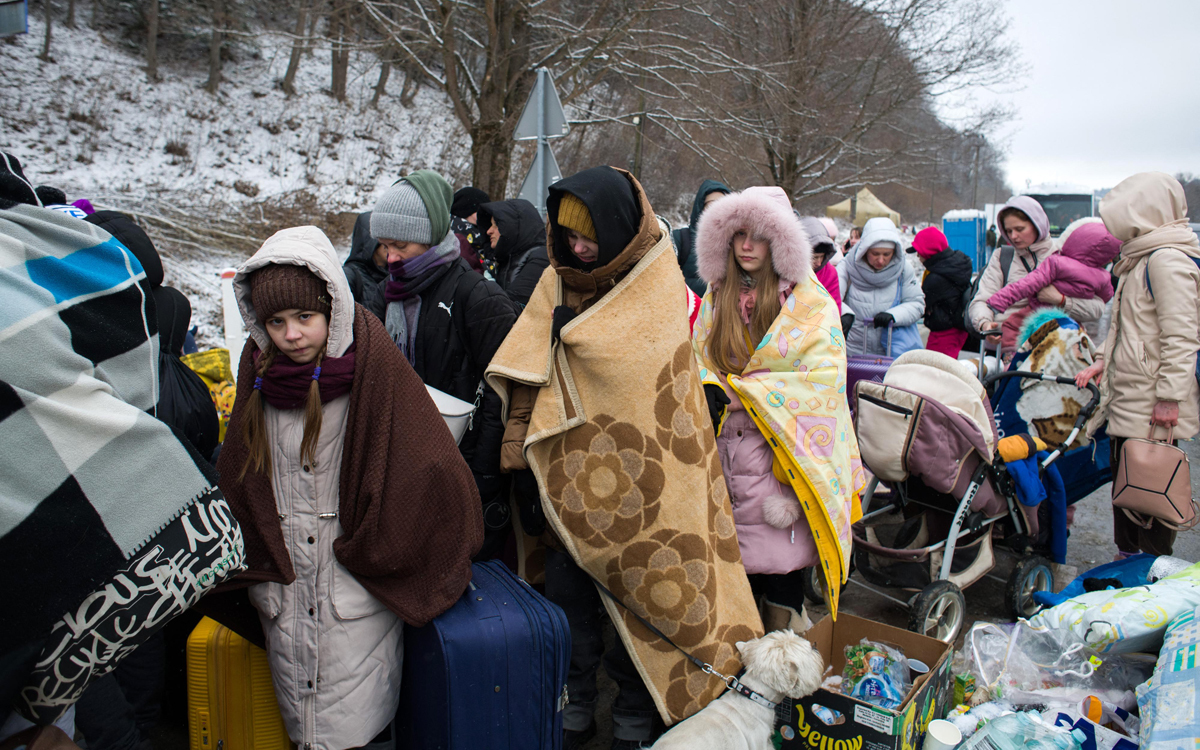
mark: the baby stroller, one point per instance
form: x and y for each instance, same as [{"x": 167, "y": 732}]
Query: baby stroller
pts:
[{"x": 928, "y": 435}]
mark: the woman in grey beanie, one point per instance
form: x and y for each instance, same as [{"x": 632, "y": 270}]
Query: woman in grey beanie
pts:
[{"x": 448, "y": 321}]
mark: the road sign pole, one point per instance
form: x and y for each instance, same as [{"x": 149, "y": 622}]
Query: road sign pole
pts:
[{"x": 541, "y": 140}]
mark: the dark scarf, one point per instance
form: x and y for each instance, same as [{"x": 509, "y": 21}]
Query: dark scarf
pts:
[
  {"x": 408, "y": 278},
  {"x": 285, "y": 384},
  {"x": 409, "y": 509}
]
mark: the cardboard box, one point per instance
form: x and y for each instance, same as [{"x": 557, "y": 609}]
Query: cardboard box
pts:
[{"x": 862, "y": 726}]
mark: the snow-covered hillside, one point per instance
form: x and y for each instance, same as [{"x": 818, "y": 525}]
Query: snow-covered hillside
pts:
[{"x": 89, "y": 122}]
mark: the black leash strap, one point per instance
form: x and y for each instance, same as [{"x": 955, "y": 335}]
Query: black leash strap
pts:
[{"x": 731, "y": 682}]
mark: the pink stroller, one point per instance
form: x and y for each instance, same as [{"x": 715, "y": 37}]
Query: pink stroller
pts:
[{"x": 927, "y": 434}]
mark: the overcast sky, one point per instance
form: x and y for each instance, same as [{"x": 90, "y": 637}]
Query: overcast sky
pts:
[{"x": 1113, "y": 89}]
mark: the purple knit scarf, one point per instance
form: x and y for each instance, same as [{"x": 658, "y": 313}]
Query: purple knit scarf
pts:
[{"x": 408, "y": 278}]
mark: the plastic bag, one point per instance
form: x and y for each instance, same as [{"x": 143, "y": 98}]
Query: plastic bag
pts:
[
  {"x": 875, "y": 673},
  {"x": 1022, "y": 664},
  {"x": 1104, "y": 726}
]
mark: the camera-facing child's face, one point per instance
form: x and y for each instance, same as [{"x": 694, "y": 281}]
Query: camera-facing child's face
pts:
[{"x": 298, "y": 334}]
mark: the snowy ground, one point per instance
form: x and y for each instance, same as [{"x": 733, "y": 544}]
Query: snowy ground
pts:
[{"x": 89, "y": 122}]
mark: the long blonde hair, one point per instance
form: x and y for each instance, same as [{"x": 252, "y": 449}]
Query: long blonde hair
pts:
[
  {"x": 727, "y": 345},
  {"x": 254, "y": 421}
]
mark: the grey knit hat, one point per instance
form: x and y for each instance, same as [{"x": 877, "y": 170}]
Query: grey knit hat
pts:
[{"x": 401, "y": 215}]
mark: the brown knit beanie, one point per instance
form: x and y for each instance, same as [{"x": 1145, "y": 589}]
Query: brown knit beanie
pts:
[
  {"x": 573, "y": 214},
  {"x": 285, "y": 287}
]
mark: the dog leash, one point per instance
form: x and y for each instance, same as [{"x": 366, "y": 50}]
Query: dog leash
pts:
[{"x": 731, "y": 681}]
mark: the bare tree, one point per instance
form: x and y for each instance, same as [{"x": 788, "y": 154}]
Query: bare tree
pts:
[
  {"x": 70, "y": 14},
  {"x": 298, "y": 40},
  {"x": 214, "y": 45},
  {"x": 484, "y": 55},
  {"x": 339, "y": 34},
  {"x": 48, "y": 11},
  {"x": 837, "y": 93},
  {"x": 152, "y": 40}
]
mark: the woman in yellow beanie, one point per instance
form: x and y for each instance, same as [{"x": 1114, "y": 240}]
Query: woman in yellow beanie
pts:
[{"x": 615, "y": 465}]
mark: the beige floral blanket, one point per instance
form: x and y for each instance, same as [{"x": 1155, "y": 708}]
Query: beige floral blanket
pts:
[{"x": 622, "y": 446}]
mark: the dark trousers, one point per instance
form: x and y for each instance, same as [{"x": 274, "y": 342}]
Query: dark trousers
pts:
[
  {"x": 633, "y": 710},
  {"x": 117, "y": 711},
  {"x": 1131, "y": 538},
  {"x": 780, "y": 598}
]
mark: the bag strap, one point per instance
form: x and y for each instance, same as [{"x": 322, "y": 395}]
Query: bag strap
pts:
[
  {"x": 731, "y": 681},
  {"x": 1006, "y": 258},
  {"x": 1148, "y": 521},
  {"x": 1170, "y": 434}
]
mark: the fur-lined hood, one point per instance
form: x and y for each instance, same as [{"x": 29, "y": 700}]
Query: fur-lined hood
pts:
[{"x": 763, "y": 211}]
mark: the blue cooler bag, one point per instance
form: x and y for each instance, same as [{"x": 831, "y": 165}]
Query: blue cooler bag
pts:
[{"x": 490, "y": 673}]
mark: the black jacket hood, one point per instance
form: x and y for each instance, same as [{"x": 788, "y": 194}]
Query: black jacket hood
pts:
[
  {"x": 519, "y": 223},
  {"x": 615, "y": 211},
  {"x": 134, "y": 238},
  {"x": 706, "y": 187},
  {"x": 174, "y": 317}
]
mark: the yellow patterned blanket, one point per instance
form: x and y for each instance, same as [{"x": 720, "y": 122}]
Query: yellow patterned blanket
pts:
[
  {"x": 621, "y": 443},
  {"x": 795, "y": 389}
]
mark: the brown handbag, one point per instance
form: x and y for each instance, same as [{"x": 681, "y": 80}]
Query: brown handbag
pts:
[{"x": 1153, "y": 481}]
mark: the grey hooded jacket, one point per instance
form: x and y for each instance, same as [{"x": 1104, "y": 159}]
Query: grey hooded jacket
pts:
[{"x": 867, "y": 292}]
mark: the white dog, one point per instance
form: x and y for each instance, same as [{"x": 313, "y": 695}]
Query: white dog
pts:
[{"x": 779, "y": 666}]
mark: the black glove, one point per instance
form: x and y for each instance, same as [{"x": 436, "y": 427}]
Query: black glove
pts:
[
  {"x": 847, "y": 321},
  {"x": 529, "y": 502},
  {"x": 883, "y": 319},
  {"x": 562, "y": 316},
  {"x": 717, "y": 401}
]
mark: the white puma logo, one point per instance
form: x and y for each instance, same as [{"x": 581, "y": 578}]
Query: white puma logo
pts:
[{"x": 447, "y": 308}]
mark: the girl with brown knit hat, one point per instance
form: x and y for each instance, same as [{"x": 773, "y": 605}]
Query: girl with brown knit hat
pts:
[{"x": 357, "y": 510}]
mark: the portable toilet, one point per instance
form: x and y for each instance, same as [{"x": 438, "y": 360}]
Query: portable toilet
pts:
[{"x": 966, "y": 229}]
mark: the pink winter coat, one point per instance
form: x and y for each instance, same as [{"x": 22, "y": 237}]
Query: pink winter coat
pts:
[
  {"x": 829, "y": 279},
  {"x": 1076, "y": 271},
  {"x": 746, "y": 462}
]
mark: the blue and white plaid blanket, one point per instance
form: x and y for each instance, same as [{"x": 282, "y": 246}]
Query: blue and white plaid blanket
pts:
[{"x": 109, "y": 524}]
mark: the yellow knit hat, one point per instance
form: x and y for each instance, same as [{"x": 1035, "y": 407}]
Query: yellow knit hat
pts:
[{"x": 572, "y": 214}]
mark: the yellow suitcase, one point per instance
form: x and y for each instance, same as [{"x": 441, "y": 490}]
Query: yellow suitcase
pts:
[{"x": 231, "y": 702}]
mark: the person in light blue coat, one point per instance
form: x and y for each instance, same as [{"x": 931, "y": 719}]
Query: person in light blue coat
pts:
[{"x": 879, "y": 288}]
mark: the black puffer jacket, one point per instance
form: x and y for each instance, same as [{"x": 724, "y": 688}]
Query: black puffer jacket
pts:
[
  {"x": 520, "y": 255},
  {"x": 464, "y": 318},
  {"x": 948, "y": 274},
  {"x": 360, "y": 269}
]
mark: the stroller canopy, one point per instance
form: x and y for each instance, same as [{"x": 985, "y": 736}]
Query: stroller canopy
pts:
[{"x": 940, "y": 378}]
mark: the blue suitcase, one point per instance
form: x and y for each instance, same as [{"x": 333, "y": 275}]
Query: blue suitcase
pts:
[{"x": 490, "y": 673}]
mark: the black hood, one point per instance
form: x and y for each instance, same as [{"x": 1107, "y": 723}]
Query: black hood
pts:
[
  {"x": 174, "y": 317},
  {"x": 519, "y": 223},
  {"x": 706, "y": 187},
  {"x": 362, "y": 248},
  {"x": 949, "y": 263},
  {"x": 615, "y": 211},
  {"x": 134, "y": 238}
]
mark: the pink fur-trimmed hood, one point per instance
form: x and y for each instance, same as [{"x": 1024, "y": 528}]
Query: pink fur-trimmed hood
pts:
[{"x": 763, "y": 211}]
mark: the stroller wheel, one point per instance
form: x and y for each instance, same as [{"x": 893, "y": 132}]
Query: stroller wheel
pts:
[
  {"x": 812, "y": 581},
  {"x": 938, "y": 611},
  {"x": 1031, "y": 574}
]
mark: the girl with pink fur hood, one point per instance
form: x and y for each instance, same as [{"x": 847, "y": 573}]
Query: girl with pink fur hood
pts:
[{"x": 753, "y": 252}]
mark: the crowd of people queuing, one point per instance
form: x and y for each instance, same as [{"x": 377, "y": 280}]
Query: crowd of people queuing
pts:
[{"x": 629, "y": 385}]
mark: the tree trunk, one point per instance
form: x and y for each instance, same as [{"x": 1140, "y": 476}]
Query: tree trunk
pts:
[
  {"x": 311, "y": 37},
  {"x": 385, "y": 70},
  {"x": 97, "y": 11},
  {"x": 412, "y": 83},
  {"x": 338, "y": 32},
  {"x": 49, "y": 22},
  {"x": 152, "y": 40},
  {"x": 70, "y": 14},
  {"x": 214, "y": 46},
  {"x": 289, "y": 78},
  {"x": 491, "y": 151}
]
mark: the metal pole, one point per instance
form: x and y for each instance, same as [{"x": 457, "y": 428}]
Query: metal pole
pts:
[
  {"x": 975, "y": 187},
  {"x": 541, "y": 141}
]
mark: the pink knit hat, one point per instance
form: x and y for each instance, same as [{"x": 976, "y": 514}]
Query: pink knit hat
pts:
[{"x": 929, "y": 242}]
